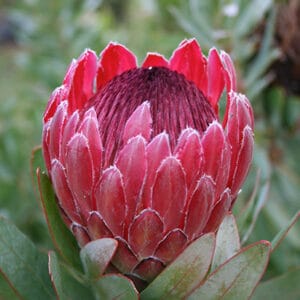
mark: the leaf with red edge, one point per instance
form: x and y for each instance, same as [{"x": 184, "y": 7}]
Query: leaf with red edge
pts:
[
  {"x": 36, "y": 162},
  {"x": 258, "y": 205},
  {"x": 22, "y": 265},
  {"x": 65, "y": 285},
  {"x": 169, "y": 192},
  {"x": 237, "y": 277},
  {"x": 62, "y": 238},
  {"x": 184, "y": 273},
  {"x": 155, "y": 60},
  {"x": 6, "y": 291},
  {"x": 115, "y": 286},
  {"x": 227, "y": 241},
  {"x": 282, "y": 287},
  {"x": 96, "y": 255},
  {"x": 282, "y": 233}
]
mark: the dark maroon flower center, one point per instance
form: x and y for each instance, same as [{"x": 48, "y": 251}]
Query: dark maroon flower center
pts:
[{"x": 175, "y": 102}]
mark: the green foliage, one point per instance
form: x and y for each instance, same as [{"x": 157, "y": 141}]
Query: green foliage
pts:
[
  {"x": 237, "y": 278},
  {"x": 64, "y": 284},
  {"x": 96, "y": 256},
  {"x": 185, "y": 273},
  {"x": 23, "y": 266},
  {"x": 282, "y": 287},
  {"x": 115, "y": 287},
  {"x": 62, "y": 238},
  {"x": 284, "y": 231},
  {"x": 227, "y": 242}
]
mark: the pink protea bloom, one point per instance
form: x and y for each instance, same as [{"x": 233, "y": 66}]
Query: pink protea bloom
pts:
[{"x": 140, "y": 153}]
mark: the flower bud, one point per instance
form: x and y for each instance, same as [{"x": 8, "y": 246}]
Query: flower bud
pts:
[{"x": 140, "y": 153}]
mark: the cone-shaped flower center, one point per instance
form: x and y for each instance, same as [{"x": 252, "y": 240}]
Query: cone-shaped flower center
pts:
[{"x": 175, "y": 103}]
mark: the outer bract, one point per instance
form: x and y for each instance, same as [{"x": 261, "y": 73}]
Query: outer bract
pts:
[{"x": 140, "y": 153}]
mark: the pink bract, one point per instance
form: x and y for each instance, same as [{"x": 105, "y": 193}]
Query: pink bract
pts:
[{"x": 140, "y": 153}]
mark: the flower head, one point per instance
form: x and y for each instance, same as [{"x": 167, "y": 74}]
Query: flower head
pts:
[{"x": 140, "y": 153}]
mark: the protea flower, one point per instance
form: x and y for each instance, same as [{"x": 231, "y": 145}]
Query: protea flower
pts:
[{"x": 142, "y": 155}]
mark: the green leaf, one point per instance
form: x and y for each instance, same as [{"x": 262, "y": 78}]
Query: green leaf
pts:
[
  {"x": 187, "y": 24},
  {"x": 245, "y": 212},
  {"x": 22, "y": 265},
  {"x": 266, "y": 55},
  {"x": 55, "y": 274},
  {"x": 199, "y": 12},
  {"x": 115, "y": 286},
  {"x": 96, "y": 255},
  {"x": 184, "y": 273},
  {"x": 251, "y": 15},
  {"x": 257, "y": 87},
  {"x": 66, "y": 286},
  {"x": 6, "y": 291},
  {"x": 227, "y": 241},
  {"x": 238, "y": 277},
  {"x": 62, "y": 238},
  {"x": 282, "y": 287},
  {"x": 36, "y": 162},
  {"x": 281, "y": 234},
  {"x": 261, "y": 201}
]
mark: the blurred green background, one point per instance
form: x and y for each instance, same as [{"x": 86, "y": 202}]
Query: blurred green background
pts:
[{"x": 39, "y": 38}]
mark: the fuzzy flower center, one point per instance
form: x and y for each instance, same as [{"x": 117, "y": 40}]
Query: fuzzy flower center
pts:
[{"x": 175, "y": 103}]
